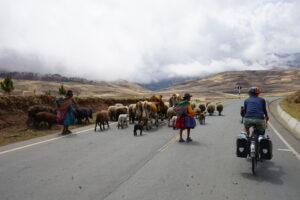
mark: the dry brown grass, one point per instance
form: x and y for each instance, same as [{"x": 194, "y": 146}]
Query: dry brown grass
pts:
[
  {"x": 97, "y": 89},
  {"x": 271, "y": 82},
  {"x": 291, "y": 104}
]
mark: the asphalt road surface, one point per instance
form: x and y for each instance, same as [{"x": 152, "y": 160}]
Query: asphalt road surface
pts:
[{"x": 115, "y": 165}]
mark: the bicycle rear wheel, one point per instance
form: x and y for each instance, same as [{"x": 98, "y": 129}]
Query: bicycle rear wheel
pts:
[{"x": 254, "y": 163}]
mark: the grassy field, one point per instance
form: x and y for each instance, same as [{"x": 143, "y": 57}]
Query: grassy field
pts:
[{"x": 291, "y": 104}]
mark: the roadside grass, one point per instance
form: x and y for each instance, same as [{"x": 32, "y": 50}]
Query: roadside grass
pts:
[{"x": 291, "y": 105}]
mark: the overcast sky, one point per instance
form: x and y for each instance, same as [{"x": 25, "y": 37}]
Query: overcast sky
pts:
[{"x": 146, "y": 40}]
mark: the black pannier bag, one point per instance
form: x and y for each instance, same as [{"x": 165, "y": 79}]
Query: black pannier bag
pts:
[
  {"x": 242, "y": 145},
  {"x": 265, "y": 147}
]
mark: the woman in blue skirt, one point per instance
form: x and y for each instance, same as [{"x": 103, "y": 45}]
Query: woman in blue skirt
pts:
[{"x": 186, "y": 120}]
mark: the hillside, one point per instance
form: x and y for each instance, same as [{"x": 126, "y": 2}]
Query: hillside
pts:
[
  {"x": 101, "y": 89},
  {"x": 271, "y": 82}
]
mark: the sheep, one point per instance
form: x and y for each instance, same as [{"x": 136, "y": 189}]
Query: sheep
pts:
[
  {"x": 207, "y": 103},
  {"x": 132, "y": 112},
  {"x": 102, "y": 119},
  {"x": 48, "y": 117},
  {"x": 220, "y": 108},
  {"x": 173, "y": 121},
  {"x": 112, "y": 113},
  {"x": 202, "y": 118},
  {"x": 170, "y": 114},
  {"x": 119, "y": 105},
  {"x": 122, "y": 120},
  {"x": 139, "y": 126},
  {"x": 211, "y": 109},
  {"x": 32, "y": 110},
  {"x": 202, "y": 107},
  {"x": 139, "y": 111},
  {"x": 121, "y": 110},
  {"x": 165, "y": 110},
  {"x": 83, "y": 113}
]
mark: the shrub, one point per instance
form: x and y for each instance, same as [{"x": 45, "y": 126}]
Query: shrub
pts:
[
  {"x": 62, "y": 90},
  {"x": 7, "y": 85}
]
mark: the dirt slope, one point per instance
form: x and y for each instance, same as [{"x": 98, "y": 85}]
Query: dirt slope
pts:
[{"x": 271, "y": 82}]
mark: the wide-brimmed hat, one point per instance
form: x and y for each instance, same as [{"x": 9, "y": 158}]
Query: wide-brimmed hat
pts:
[{"x": 187, "y": 95}]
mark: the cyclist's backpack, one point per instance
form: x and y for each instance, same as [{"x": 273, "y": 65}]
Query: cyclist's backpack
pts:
[
  {"x": 265, "y": 147},
  {"x": 242, "y": 145},
  {"x": 180, "y": 109}
]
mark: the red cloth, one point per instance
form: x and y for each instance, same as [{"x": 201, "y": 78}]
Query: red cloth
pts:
[
  {"x": 180, "y": 123},
  {"x": 61, "y": 114}
]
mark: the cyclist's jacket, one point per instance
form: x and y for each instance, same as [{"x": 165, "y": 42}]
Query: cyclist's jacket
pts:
[{"x": 255, "y": 107}]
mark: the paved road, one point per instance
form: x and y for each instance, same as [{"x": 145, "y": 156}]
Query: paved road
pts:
[{"x": 114, "y": 165}]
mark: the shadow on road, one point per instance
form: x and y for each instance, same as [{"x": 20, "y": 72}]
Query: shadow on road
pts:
[
  {"x": 193, "y": 143},
  {"x": 267, "y": 171}
]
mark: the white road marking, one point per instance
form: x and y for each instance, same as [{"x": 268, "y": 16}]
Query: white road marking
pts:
[
  {"x": 45, "y": 141},
  {"x": 83, "y": 131},
  {"x": 285, "y": 142},
  {"x": 284, "y": 150}
]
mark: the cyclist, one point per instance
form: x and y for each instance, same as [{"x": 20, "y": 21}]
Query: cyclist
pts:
[{"x": 255, "y": 111}]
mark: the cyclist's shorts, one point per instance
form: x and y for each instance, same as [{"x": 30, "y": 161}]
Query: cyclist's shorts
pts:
[{"x": 260, "y": 124}]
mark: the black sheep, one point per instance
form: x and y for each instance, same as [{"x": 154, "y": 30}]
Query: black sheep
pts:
[{"x": 83, "y": 113}]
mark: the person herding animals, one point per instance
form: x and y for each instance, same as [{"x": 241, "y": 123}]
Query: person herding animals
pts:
[
  {"x": 185, "y": 117},
  {"x": 65, "y": 114}
]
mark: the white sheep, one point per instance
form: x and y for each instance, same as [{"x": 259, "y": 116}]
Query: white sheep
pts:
[
  {"x": 173, "y": 121},
  {"x": 122, "y": 120}
]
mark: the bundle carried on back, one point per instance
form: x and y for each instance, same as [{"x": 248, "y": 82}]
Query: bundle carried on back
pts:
[{"x": 181, "y": 108}]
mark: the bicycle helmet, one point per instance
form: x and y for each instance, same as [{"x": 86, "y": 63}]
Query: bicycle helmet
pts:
[{"x": 254, "y": 90}]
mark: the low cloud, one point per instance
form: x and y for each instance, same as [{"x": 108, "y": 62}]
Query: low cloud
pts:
[{"x": 146, "y": 41}]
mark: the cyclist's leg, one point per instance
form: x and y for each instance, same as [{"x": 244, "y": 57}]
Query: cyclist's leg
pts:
[
  {"x": 260, "y": 126},
  {"x": 247, "y": 124}
]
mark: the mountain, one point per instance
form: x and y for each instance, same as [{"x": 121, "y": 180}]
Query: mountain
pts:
[{"x": 271, "y": 82}]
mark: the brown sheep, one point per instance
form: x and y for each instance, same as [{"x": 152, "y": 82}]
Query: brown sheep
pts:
[
  {"x": 121, "y": 110},
  {"x": 139, "y": 111},
  {"x": 112, "y": 110},
  {"x": 220, "y": 108},
  {"x": 102, "y": 119},
  {"x": 202, "y": 107},
  {"x": 175, "y": 98},
  {"x": 48, "y": 117},
  {"x": 32, "y": 110},
  {"x": 211, "y": 109},
  {"x": 207, "y": 103},
  {"x": 132, "y": 112}
]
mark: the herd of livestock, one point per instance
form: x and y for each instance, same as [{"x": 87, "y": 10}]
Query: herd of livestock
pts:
[{"x": 144, "y": 114}]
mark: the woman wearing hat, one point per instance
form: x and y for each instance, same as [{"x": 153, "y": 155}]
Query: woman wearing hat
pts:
[
  {"x": 186, "y": 119},
  {"x": 65, "y": 114}
]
